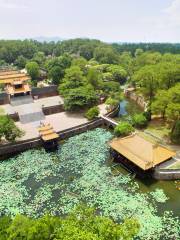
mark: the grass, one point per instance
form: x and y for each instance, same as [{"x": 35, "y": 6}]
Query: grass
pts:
[
  {"x": 159, "y": 128},
  {"x": 2, "y": 112}
]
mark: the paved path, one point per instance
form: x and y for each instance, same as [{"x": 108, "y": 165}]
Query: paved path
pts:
[{"x": 59, "y": 121}]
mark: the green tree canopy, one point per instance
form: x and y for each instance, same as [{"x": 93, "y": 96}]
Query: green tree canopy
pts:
[
  {"x": 106, "y": 54},
  {"x": 81, "y": 224},
  {"x": 79, "y": 98},
  {"x": 73, "y": 79},
  {"x": 55, "y": 74},
  {"x": 33, "y": 70}
]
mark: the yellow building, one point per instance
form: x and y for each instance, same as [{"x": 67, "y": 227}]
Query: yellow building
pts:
[
  {"x": 16, "y": 83},
  {"x": 141, "y": 152}
]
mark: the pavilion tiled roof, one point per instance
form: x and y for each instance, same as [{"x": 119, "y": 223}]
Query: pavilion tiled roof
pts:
[{"x": 141, "y": 152}]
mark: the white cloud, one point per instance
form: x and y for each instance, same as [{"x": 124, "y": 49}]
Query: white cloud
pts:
[{"x": 13, "y": 4}]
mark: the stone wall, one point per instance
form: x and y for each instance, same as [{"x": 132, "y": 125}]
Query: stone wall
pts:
[
  {"x": 4, "y": 98},
  {"x": 130, "y": 93},
  {"x": 11, "y": 149},
  {"x": 53, "y": 109},
  {"x": 166, "y": 174},
  {"x": 45, "y": 91}
]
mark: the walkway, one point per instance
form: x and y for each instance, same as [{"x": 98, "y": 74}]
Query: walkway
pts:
[{"x": 59, "y": 121}]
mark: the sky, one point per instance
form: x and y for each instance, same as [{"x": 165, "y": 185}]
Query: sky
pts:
[{"x": 107, "y": 20}]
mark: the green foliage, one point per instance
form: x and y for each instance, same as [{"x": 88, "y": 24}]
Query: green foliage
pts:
[
  {"x": 109, "y": 87},
  {"x": 139, "y": 120},
  {"x": 118, "y": 72},
  {"x": 21, "y": 61},
  {"x": 33, "y": 70},
  {"x": 40, "y": 58},
  {"x": 8, "y": 129},
  {"x": 92, "y": 113},
  {"x": 123, "y": 129},
  {"x": 5, "y": 223},
  {"x": 82, "y": 223},
  {"x": 147, "y": 79},
  {"x": 81, "y": 97},
  {"x": 111, "y": 103},
  {"x": 106, "y": 54},
  {"x": 175, "y": 133},
  {"x": 167, "y": 103},
  {"x": 55, "y": 74},
  {"x": 80, "y": 62},
  {"x": 94, "y": 78},
  {"x": 56, "y": 67},
  {"x": 73, "y": 79},
  {"x": 160, "y": 103}
]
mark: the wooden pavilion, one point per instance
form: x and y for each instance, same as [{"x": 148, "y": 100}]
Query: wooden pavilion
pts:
[
  {"x": 49, "y": 136},
  {"x": 140, "y": 152},
  {"x": 16, "y": 83}
]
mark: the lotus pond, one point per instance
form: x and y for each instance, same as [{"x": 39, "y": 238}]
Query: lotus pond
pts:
[{"x": 36, "y": 182}]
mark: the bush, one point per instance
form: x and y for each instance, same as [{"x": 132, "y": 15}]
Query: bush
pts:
[
  {"x": 175, "y": 134},
  {"x": 82, "y": 224},
  {"x": 139, "y": 120},
  {"x": 8, "y": 129},
  {"x": 111, "y": 103},
  {"x": 123, "y": 129},
  {"x": 92, "y": 113}
]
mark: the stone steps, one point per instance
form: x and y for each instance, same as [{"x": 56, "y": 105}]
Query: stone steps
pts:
[{"x": 21, "y": 100}]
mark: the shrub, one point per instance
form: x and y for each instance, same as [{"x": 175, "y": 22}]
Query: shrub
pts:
[
  {"x": 123, "y": 129},
  {"x": 8, "y": 129},
  {"x": 92, "y": 113},
  {"x": 139, "y": 120},
  {"x": 175, "y": 134},
  {"x": 111, "y": 103}
]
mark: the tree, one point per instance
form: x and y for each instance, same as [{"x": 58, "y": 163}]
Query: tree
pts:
[
  {"x": 21, "y": 61},
  {"x": 126, "y": 61},
  {"x": 175, "y": 133},
  {"x": 94, "y": 78},
  {"x": 123, "y": 129},
  {"x": 33, "y": 70},
  {"x": 138, "y": 52},
  {"x": 147, "y": 79},
  {"x": 55, "y": 74},
  {"x": 56, "y": 67},
  {"x": 92, "y": 113},
  {"x": 39, "y": 57},
  {"x": 73, "y": 79},
  {"x": 5, "y": 223},
  {"x": 139, "y": 120},
  {"x": 173, "y": 111},
  {"x": 81, "y": 63},
  {"x": 79, "y": 98},
  {"x": 160, "y": 103},
  {"x": 169, "y": 74},
  {"x": 8, "y": 129},
  {"x": 112, "y": 86},
  {"x": 83, "y": 224},
  {"x": 118, "y": 73},
  {"x": 106, "y": 54}
]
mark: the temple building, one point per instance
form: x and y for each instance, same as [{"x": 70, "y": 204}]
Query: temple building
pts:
[
  {"x": 140, "y": 152},
  {"x": 16, "y": 83},
  {"x": 48, "y": 136}
]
